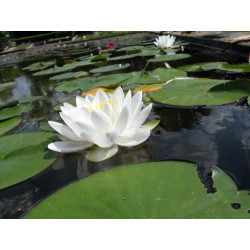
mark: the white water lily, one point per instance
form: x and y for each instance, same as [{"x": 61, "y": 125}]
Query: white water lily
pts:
[
  {"x": 165, "y": 41},
  {"x": 103, "y": 120}
]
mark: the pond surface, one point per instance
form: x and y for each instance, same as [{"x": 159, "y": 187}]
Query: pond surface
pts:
[{"x": 208, "y": 136}]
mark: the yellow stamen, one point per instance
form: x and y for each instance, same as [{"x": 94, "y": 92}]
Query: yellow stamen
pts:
[
  {"x": 90, "y": 107},
  {"x": 111, "y": 103}
]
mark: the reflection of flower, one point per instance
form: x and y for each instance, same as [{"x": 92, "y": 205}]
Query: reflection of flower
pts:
[
  {"x": 165, "y": 41},
  {"x": 111, "y": 45},
  {"x": 103, "y": 120}
]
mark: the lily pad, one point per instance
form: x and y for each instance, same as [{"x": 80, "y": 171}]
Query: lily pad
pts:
[
  {"x": 9, "y": 104},
  {"x": 198, "y": 91},
  {"x": 24, "y": 155},
  {"x": 39, "y": 66},
  {"x": 7, "y": 85},
  {"x": 71, "y": 101},
  {"x": 110, "y": 68},
  {"x": 169, "y": 58},
  {"x": 85, "y": 84},
  {"x": 198, "y": 67},
  {"x": 241, "y": 68},
  {"x": 29, "y": 99},
  {"x": 146, "y": 191},
  {"x": 9, "y": 124},
  {"x": 68, "y": 75},
  {"x": 131, "y": 48},
  {"x": 148, "y": 88},
  {"x": 14, "y": 111},
  {"x": 66, "y": 67},
  {"x": 159, "y": 75},
  {"x": 125, "y": 57}
]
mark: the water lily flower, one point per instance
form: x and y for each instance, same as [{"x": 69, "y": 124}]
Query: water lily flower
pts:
[
  {"x": 111, "y": 45},
  {"x": 165, "y": 41},
  {"x": 105, "y": 121}
]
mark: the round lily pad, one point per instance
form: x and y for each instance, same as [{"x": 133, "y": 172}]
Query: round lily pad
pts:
[
  {"x": 68, "y": 75},
  {"x": 7, "y": 125},
  {"x": 24, "y": 155},
  {"x": 39, "y": 66},
  {"x": 168, "y": 58},
  {"x": 110, "y": 68},
  {"x": 198, "y": 91},
  {"x": 145, "y": 191},
  {"x": 241, "y": 68},
  {"x": 198, "y": 67},
  {"x": 7, "y": 85}
]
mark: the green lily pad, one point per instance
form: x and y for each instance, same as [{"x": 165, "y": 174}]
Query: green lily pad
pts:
[
  {"x": 39, "y": 66},
  {"x": 241, "y": 68},
  {"x": 71, "y": 101},
  {"x": 29, "y": 99},
  {"x": 198, "y": 67},
  {"x": 159, "y": 75},
  {"x": 24, "y": 155},
  {"x": 198, "y": 91},
  {"x": 110, "y": 68},
  {"x": 9, "y": 104},
  {"x": 9, "y": 124},
  {"x": 125, "y": 57},
  {"x": 146, "y": 191},
  {"x": 131, "y": 48},
  {"x": 169, "y": 58},
  {"x": 68, "y": 75},
  {"x": 45, "y": 127},
  {"x": 66, "y": 67},
  {"x": 7, "y": 85},
  {"x": 85, "y": 84},
  {"x": 14, "y": 111}
]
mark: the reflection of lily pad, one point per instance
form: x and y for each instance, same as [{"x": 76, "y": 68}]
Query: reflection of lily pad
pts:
[
  {"x": 168, "y": 58},
  {"x": 110, "y": 68},
  {"x": 197, "y": 67},
  {"x": 244, "y": 67},
  {"x": 147, "y": 190},
  {"x": 14, "y": 111},
  {"x": 24, "y": 155},
  {"x": 7, "y": 125},
  {"x": 195, "y": 91}
]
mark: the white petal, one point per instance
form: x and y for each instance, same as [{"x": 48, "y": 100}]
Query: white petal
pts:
[
  {"x": 64, "y": 130},
  {"x": 106, "y": 140},
  {"x": 103, "y": 98},
  {"x": 137, "y": 139},
  {"x": 122, "y": 120},
  {"x": 138, "y": 121},
  {"x": 80, "y": 101},
  {"x": 107, "y": 109},
  {"x": 68, "y": 146},
  {"x": 89, "y": 98},
  {"x": 100, "y": 154},
  {"x": 101, "y": 121},
  {"x": 136, "y": 103},
  {"x": 127, "y": 99}
]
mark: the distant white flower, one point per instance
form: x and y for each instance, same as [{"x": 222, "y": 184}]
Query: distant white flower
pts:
[
  {"x": 165, "y": 41},
  {"x": 103, "y": 120}
]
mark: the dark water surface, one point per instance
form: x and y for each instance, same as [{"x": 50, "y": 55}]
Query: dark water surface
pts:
[{"x": 207, "y": 136}]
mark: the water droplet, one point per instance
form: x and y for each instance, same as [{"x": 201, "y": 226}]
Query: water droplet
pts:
[{"x": 236, "y": 205}]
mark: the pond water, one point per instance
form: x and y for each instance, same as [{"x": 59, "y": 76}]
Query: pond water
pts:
[{"x": 208, "y": 136}]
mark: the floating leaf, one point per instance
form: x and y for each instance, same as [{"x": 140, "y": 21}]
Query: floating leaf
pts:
[
  {"x": 198, "y": 91},
  {"x": 131, "y": 48},
  {"x": 64, "y": 68},
  {"x": 125, "y": 57},
  {"x": 93, "y": 91},
  {"x": 9, "y": 104},
  {"x": 170, "y": 57},
  {"x": 71, "y": 101},
  {"x": 110, "y": 68},
  {"x": 159, "y": 75},
  {"x": 155, "y": 190},
  {"x": 150, "y": 125},
  {"x": 14, "y": 111},
  {"x": 30, "y": 99},
  {"x": 69, "y": 75},
  {"x": 45, "y": 127},
  {"x": 198, "y": 67},
  {"x": 244, "y": 67},
  {"x": 149, "y": 88},
  {"x": 7, "y": 85},
  {"x": 39, "y": 66},
  {"x": 24, "y": 155},
  {"x": 9, "y": 124}
]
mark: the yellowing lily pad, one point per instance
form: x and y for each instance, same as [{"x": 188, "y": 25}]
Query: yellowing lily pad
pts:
[
  {"x": 149, "y": 88},
  {"x": 93, "y": 91}
]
